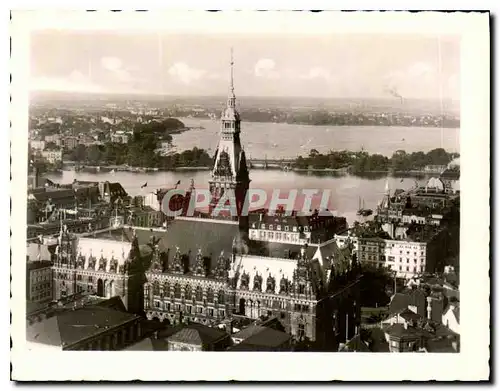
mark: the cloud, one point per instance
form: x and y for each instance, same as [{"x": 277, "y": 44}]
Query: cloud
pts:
[
  {"x": 111, "y": 63},
  {"x": 115, "y": 66},
  {"x": 265, "y": 67},
  {"x": 184, "y": 73},
  {"x": 76, "y": 81},
  {"x": 318, "y": 73}
]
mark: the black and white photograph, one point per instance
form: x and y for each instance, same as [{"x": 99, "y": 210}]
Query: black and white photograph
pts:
[{"x": 199, "y": 182}]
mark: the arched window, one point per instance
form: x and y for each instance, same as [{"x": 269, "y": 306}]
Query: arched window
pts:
[
  {"x": 177, "y": 291},
  {"x": 199, "y": 293},
  {"x": 166, "y": 289},
  {"x": 221, "y": 297},
  {"x": 156, "y": 288},
  {"x": 188, "y": 292},
  {"x": 210, "y": 295}
]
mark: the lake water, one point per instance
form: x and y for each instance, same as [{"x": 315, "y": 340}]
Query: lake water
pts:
[
  {"x": 345, "y": 191},
  {"x": 285, "y": 140},
  {"x": 290, "y": 140}
]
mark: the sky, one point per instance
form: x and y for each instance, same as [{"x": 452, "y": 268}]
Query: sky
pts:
[{"x": 192, "y": 64}]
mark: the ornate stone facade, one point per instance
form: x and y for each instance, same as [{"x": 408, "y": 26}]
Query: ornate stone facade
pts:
[
  {"x": 106, "y": 268},
  {"x": 175, "y": 294}
]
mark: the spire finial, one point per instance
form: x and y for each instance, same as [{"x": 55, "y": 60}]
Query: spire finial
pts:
[{"x": 232, "y": 75}]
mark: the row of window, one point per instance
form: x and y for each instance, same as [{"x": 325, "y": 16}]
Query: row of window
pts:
[
  {"x": 415, "y": 269},
  {"x": 189, "y": 309},
  {"x": 278, "y": 227},
  {"x": 42, "y": 295},
  {"x": 39, "y": 287},
  {"x": 176, "y": 292},
  {"x": 263, "y": 235}
]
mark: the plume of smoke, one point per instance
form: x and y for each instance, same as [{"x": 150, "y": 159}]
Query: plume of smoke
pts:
[{"x": 394, "y": 92}]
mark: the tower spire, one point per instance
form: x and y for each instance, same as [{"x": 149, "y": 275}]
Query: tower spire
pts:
[{"x": 231, "y": 85}]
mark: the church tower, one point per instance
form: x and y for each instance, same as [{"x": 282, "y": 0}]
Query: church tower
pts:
[{"x": 230, "y": 170}]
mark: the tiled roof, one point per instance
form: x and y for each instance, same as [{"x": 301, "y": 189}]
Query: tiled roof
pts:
[
  {"x": 190, "y": 235},
  {"x": 70, "y": 327},
  {"x": 54, "y": 195},
  {"x": 248, "y": 331},
  {"x": 401, "y": 301},
  {"x": 356, "y": 344},
  {"x": 149, "y": 344},
  {"x": 268, "y": 337},
  {"x": 197, "y": 334}
]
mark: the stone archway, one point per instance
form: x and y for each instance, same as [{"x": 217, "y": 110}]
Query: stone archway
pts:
[
  {"x": 242, "y": 307},
  {"x": 100, "y": 288}
]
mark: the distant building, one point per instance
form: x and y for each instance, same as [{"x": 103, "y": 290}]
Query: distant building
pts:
[
  {"x": 70, "y": 142},
  {"x": 59, "y": 198},
  {"x": 144, "y": 217},
  {"x": 120, "y": 137},
  {"x": 38, "y": 145},
  {"x": 53, "y": 156},
  {"x": 54, "y": 138},
  {"x": 38, "y": 273},
  {"x": 294, "y": 229},
  {"x": 410, "y": 332},
  {"x": 111, "y": 191}
]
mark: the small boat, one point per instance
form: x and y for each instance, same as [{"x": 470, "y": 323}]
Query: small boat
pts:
[{"x": 362, "y": 211}]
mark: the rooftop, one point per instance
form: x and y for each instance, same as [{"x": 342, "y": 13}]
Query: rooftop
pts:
[
  {"x": 197, "y": 334},
  {"x": 70, "y": 327}
]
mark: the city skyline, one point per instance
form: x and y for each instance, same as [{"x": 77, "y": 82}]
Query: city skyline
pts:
[{"x": 322, "y": 66}]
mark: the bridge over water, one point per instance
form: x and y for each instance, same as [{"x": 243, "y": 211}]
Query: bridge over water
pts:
[{"x": 271, "y": 163}]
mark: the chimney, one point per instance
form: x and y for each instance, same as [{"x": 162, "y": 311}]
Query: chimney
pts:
[{"x": 429, "y": 307}]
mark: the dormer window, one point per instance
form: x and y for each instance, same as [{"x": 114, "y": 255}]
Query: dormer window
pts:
[
  {"x": 270, "y": 226},
  {"x": 294, "y": 229},
  {"x": 306, "y": 229},
  {"x": 263, "y": 226},
  {"x": 287, "y": 228},
  {"x": 278, "y": 227}
]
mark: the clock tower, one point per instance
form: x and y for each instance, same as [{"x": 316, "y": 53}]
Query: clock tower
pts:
[{"x": 230, "y": 176}]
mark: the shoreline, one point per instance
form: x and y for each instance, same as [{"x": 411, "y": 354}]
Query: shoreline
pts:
[{"x": 340, "y": 172}]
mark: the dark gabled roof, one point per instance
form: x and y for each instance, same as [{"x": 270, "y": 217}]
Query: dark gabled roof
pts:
[
  {"x": 268, "y": 337},
  {"x": 399, "y": 330},
  {"x": 401, "y": 301},
  {"x": 440, "y": 345},
  {"x": 114, "y": 303},
  {"x": 409, "y": 315},
  {"x": 356, "y": 344},
  {"x": 69, "y": 327},
  {"x": 197, "y": 334},
  {"x": 190, "y": 235},
  {"x": 248, "y": 331},
  {"x": 54, "y": 195},
  {"x": 149, "y": 344}
]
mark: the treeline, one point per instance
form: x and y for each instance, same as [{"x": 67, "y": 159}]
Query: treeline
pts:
[
  {"x": 359, "y": 162},
  {"x": 326, "y": 118},
  {"x": 138, "y": 155},
  {"x": 141, "y": 150}
]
